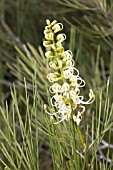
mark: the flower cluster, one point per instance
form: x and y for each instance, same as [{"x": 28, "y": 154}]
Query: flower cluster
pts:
[{"x": 65, "y": 79}]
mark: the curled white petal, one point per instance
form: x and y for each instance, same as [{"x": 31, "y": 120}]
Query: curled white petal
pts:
[
  {"x": 83, "y": 109},
  {"x": 77, "y": 72},
  {"x": 67, "y": 55},
  {"x": 73, "y": 79},
  {"x": 77, "y": 90},
  {"x": 55, "y": 88},
  {"x": 61, "y": 37},
  {"x": 81, "y": 98},
  {"x": 52, "y": 77},
  {"x": 74, "y": 97},
  {"x": 57, "y": 27},
  {"x": 91, "y": 98},
  {"x": 66, "y": 112},
  {"x": 52, "y": 114},
  {"x": 53, "y": 65},
  {"x": 68, "y": 72},
  {"x": 81, "y": 82},
  {"x": 70, "y": 63},
  {"x": 59, "y": 121},
  {"x": 65, "y": 87},
  {"x": 56, "y": 100}
]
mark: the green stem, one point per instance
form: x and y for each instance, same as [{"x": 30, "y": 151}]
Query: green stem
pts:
[{"x": 81, "y": 137}]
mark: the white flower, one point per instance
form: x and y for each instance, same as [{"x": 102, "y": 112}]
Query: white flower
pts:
[
  {"x": 66, "y": 55},
  {"x": 65, "y": 87},
  {"x": 53, "y": 65},
  {"x": 52, "y": 77},
  {"x": 69, "y": 63},
  {"x": 56, "y": 100},
  {"x": 77, "y": 118},
  {"x": 65, "y": 77},
  {"x": 68, "y": 72},
  {"x": 61, "y": 37},
  {"x": 55, "y": 88},
  {"x": 57, "y": 27},
  {"x": 73, "y": 79},
  {"x": 66, "y": 112}
]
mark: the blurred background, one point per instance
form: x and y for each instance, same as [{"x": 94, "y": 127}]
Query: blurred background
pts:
[{"x": 88, "y": 25}]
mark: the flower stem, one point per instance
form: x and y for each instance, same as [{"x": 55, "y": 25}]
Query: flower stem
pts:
[{"x": 81, "y": 137}]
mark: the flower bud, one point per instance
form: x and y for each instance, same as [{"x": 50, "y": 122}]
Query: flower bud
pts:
[
  {"x": 47, "y": 44},
  {"x": 53, "y": 65},
  {"x": 48, "y": 22},
  {"x": 49, "y": 36},
  {"x": 54, "y": 22},
  {"x": 49, "y": 54}
]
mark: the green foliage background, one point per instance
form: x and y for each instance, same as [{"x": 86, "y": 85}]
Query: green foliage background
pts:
[{"x": 88, "y": 26}]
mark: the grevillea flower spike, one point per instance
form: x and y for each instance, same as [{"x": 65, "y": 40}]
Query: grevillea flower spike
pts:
[{"x": 65, "y": 79}]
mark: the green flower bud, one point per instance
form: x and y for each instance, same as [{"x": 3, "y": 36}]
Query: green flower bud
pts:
[
  {"x": 48, "y": 22},
  {"x": 49, "y": 54},
  {"x": 47, "y": 44},
  {"x": 54, "y": 22},
  {"x": 49, "y": 36}
]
